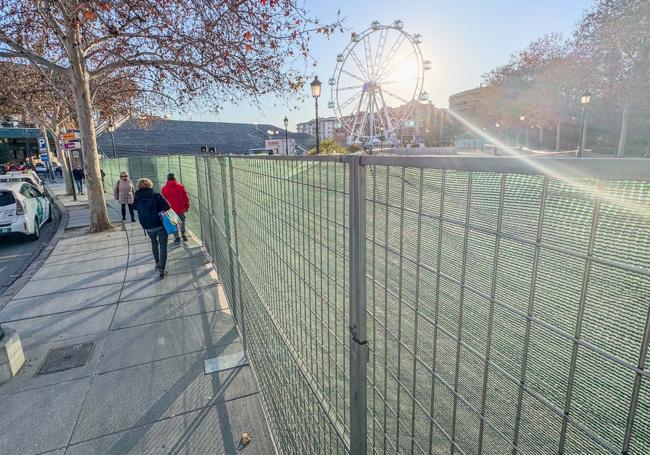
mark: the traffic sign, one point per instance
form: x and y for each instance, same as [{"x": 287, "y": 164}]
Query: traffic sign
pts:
[
  {"x": 75, "y": 153},
  {"x": 72, "y": 145},
  {"x": 70, "y": 136},
  {"x": 45, "y": 157}
]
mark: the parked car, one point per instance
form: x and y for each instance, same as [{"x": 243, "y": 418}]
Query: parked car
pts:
[
  {"x": 23, "y": 176},
  {"x": 40, "y": 167},
  {"x": 17, "y": 167},
  {"x": 23, "y": 209}
]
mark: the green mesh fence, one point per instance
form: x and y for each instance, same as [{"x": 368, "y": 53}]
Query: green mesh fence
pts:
[{"x": 506, "y": 311}]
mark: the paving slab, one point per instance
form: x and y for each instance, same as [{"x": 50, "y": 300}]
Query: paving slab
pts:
[
  {"x": 28, "y": 377},
  {"x": 81, "y": 256},
  {"x": 90, "y": 246},
  {"x": 153, "y": 309},
  {"x": 194, "y": 264},
  {"x": 56, "y": 327},
  {"x": 93, "y": 265},
  {"x": 146, "y": 393},
  {"x": 117, "y": 234},
  {"x": 151, "y": 287},
  {"x": 146, "y": 247},
  {"x": 60, "y": 302},
  {"x": 40, "y": 419},
  {"x": 171, "y": 337},
  {"x": 212, "y": 430},
  {"x": 47, "y": 286}
]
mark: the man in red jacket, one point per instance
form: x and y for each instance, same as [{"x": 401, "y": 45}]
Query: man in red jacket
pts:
[{"x": 176, "y": 195}]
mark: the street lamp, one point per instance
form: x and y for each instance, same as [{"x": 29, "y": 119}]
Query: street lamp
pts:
[
  {"x": 286, "y": 135},
  {"x": 521, "y": 128},
  {"x": 111, "y": 129},
  {"x": 315, "y": 92},
  {"x": 585, "y": 99}
]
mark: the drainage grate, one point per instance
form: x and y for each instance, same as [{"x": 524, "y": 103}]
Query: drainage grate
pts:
[{"x": 66, "y": 357}]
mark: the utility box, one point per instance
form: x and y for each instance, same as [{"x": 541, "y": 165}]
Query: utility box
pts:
[{"x": 12, "y": 357}]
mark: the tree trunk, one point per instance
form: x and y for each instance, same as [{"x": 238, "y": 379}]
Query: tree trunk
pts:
[
  {"x": 64, "y": 165},
  {"x": 625, "y": 120},
  {"x": 558, "y": 135},
  {"x": 99, "y": 220}
]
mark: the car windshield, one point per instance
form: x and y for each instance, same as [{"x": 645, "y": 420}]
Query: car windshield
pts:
[{"x": 6, "y": 198}]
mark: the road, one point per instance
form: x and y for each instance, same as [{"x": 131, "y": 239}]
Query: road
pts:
[{"x": 16, "y": 253}]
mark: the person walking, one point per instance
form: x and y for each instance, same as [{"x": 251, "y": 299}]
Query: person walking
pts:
[
  {"x": 124, "y": 193},
  {"x": 177, "y": 198},
  {"x": 78, "y": 175},
  {"x": 149, "y": 204}
]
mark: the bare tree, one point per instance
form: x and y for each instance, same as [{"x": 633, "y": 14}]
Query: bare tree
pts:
[
  {"x": 212, "y": 50},
  {"x": 613, "y": 39}
]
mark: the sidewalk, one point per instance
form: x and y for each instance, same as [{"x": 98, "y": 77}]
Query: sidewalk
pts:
[{"x": 143, "y": 388}]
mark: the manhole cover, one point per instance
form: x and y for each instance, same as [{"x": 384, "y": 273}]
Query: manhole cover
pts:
[{"x": 66, "y": 357}]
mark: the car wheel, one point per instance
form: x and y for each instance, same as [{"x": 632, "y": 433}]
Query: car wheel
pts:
[
  {"x": 49, "y": 214},
  {"x": 37, "y": 231}
]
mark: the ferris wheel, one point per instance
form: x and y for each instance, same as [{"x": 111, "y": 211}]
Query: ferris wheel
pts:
[{"x": 377, "y": 79}]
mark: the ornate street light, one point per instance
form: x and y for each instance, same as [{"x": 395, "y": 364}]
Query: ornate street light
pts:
[
  {"x": 315, "y": 92},
  {"x": 584, "y": 100},
  {"x": 111, "y": 129}
]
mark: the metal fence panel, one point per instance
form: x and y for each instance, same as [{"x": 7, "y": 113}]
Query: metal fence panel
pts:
[{"x": 506, "y": 300}]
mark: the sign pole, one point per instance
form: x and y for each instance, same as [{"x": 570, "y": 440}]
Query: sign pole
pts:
[{"x": 74, "y": 191}]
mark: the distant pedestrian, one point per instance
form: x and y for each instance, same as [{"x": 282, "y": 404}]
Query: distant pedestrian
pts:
[
  {"x": 124, "y": 193},
  {"x": 103, "y": 174},
  {"x": 177, "y": 197},
  {"x": 149, "y": 204},
  {"x": 78, "y": 175},
  {"x": 58, "y": 171}
]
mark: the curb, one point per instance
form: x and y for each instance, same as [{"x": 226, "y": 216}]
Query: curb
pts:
[{"x": 39, "y": 257}]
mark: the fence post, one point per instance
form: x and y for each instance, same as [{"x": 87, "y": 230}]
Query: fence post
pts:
[
  {"x": 240, "y": 305},
  {"x": 357, "y": 316},
  {"x": 199, "y": 196},
  {"x": 226, "y": 227}
]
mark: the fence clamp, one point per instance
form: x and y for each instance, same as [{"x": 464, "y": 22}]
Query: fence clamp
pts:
[{"x": 355, "y": 338}]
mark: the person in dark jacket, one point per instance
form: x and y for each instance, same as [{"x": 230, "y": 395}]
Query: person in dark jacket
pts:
[
  {"x": 177, "y": 197},
  {"x": 149, "y": 204},
  {"x": 78, "y": 175}
]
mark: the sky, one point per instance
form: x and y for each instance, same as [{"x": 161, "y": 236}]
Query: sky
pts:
[{"x": 463, "y": 39}]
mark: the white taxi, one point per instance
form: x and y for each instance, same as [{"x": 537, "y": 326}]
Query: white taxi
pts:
[
  {"x": 23, "y": 176},
  {"x": 23, "y": 209}
]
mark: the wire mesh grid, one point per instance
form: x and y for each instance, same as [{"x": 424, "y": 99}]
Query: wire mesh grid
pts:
[
  {"x": 291, "y": 223},
  {"x": 500, "y": 319},
  {"x": 506, "y": 312}
]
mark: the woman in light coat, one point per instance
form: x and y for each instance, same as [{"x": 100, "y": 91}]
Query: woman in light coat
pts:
[{"x": 123, "y": 192}]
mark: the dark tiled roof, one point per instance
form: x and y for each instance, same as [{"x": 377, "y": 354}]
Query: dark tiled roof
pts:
[{"x": 186, "y": 138}]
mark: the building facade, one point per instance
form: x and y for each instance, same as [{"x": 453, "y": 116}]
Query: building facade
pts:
[{"x": 327, "y": 127}]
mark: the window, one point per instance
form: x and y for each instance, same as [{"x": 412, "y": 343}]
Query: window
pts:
[
  {"x": 6, "y": 198},
  {"x": 24, "y": 190}
]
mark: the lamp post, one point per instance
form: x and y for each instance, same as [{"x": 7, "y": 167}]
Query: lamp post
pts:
[
  {"x": 315, "y": 92},
  {"x": 111, "y": 129},
  {"x": 521, "y": 128},
  {"x": 584, "y": 100},
  {"x": 286, "y": 135}
]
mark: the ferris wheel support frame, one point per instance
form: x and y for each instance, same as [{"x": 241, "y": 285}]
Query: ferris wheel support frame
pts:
[{"x": 372, "y": 75}]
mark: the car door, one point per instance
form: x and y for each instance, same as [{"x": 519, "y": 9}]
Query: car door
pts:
[
  {"x": 42, "y": 206},
  {"x": 38, "y": 204},
  {"x": 31, "y": 206}
]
